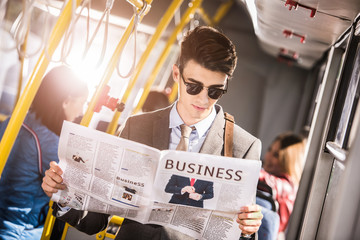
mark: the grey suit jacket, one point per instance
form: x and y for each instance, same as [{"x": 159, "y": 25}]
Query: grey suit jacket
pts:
[{"x": 153, "y": 130}]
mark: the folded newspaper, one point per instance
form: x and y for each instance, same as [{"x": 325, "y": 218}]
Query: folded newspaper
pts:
[{"x": 197, "y": 194}]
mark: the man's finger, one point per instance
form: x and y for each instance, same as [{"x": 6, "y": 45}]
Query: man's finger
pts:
[
  {"x": 50, "y": 190},
  {"x": 248, "y": 229},
  {"x": 249, "y": 222},
  {"x": 53, "y": 184},
  {"x": 250, "y": 215},
  {"x": 250, "y": 208},
  {"x": 53, "y": 176},
  {"x": 55, "y": 167},
  {"x": 47, "y": 189}
]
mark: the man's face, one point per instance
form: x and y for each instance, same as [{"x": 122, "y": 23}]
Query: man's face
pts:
[{"x": 194, "y": 108}]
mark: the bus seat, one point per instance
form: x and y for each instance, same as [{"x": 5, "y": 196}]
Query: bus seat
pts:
[{"x": 271, "y": 220}]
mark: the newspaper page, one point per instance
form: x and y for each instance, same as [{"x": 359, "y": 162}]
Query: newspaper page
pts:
[
  {"x": 197, "y": 194},
  {"x": 104, "y": 173},
  {"x": 201, "y": 194}
]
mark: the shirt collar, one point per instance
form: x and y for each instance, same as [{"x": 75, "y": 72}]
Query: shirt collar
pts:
[{"x": 201, "y": 127}]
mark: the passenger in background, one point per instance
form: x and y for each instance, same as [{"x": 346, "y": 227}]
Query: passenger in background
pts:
[
  {"x": 23, "y": 203},
  {"x": 282, "y": 169},
  {"x": 155, "y": 100}
]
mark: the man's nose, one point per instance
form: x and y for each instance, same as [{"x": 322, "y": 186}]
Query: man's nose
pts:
[{"x": 203, "y": 95}]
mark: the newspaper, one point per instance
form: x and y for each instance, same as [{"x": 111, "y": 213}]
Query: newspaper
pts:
[{"x": 197, "y": 194}]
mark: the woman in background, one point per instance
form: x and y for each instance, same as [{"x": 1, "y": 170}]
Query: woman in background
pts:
[
  {"x": 282, "y": 169},
  {"x": 23, "y": 203}
]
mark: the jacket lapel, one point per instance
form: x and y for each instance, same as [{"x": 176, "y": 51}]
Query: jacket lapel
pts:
[
  {"x": 161, "y": 130},
  {"x": 213, "y": 143}
]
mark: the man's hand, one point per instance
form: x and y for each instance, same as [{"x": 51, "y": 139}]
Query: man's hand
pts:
[
  {"x": 195, "y": 196},
  {"x": 52, "y": 182},
  {"x": 188, "y": 189},
  {"x": 249, "y": 219}
]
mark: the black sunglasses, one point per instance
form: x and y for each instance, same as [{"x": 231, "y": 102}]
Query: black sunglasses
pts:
[{"x": 196, "y": 88}]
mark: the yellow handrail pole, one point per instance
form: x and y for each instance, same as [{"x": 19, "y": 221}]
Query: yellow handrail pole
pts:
[
  {"x": 118, "y": 221},
  {"x": 173, "y": 94},
  {"x": 184, "y": 20},
  {"x": 23, "y": 105},
  {"x": 49, "y": 223},
  {"x": 65, "y": 230},
  {"x": 85, "y": 121},
  {"x": 204, "y": 16},
  {"x": 221, "y": 12},
  {"x": 164, "y": 22}
]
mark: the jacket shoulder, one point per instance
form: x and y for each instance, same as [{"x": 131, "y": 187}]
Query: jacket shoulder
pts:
[
  {"x": 145, "y": 120},
  {"x": 245, "y": 144},
  {"x": 143, "y": 128}
]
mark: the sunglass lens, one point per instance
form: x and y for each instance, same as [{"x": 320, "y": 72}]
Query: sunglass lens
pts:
[
  {"x": 193, "y": 89},
  {"x": 215, "y": 93}
]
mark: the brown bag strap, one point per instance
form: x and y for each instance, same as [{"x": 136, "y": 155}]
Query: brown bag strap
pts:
[{"x": 229, "y": 133}]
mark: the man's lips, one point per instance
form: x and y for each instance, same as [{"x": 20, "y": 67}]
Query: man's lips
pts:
[{"x": 198, "y": 108}]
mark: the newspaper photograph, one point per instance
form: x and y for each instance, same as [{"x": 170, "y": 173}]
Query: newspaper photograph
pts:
[
  {"x": 197, "y": 194},
  {"x": 205, "y": 181}
]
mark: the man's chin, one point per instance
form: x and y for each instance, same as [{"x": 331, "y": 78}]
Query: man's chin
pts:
[{"x": 199, "y": 116}]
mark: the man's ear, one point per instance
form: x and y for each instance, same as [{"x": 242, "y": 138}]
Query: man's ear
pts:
[{"x": 176, "y": 73}]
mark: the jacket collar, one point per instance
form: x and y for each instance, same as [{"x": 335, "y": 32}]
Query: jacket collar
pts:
[{"x": 213, "y": 143}]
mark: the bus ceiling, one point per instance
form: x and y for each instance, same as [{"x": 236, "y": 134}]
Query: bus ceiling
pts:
[
  {"x": 301, "y": 31},
  {"x": 293, "y": 31}
]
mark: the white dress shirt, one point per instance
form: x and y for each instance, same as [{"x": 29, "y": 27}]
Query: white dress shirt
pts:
[{"x": 197, "y": 136}]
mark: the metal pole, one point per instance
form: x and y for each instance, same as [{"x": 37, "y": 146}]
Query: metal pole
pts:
[
  {"x": 164, "y": 22},
  {"x": 204, "y": 16},
  {"x": 221, "y": 12},
  {"x": 107, "y": 75},
  {"x": 22, "y": 54},
  {"x": 173, "y": 94},
  {"x": 109, "y": 70}
]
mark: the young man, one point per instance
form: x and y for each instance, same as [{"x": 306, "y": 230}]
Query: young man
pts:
[{"x": 207, "y": 61}]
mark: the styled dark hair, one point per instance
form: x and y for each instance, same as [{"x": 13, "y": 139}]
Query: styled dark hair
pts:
[
  {"x": 209, "y": 48},
  {"x": 57, "y": 85}
]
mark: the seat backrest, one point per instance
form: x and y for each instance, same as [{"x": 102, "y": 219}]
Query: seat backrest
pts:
[{"x": 264, "y": 196}]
